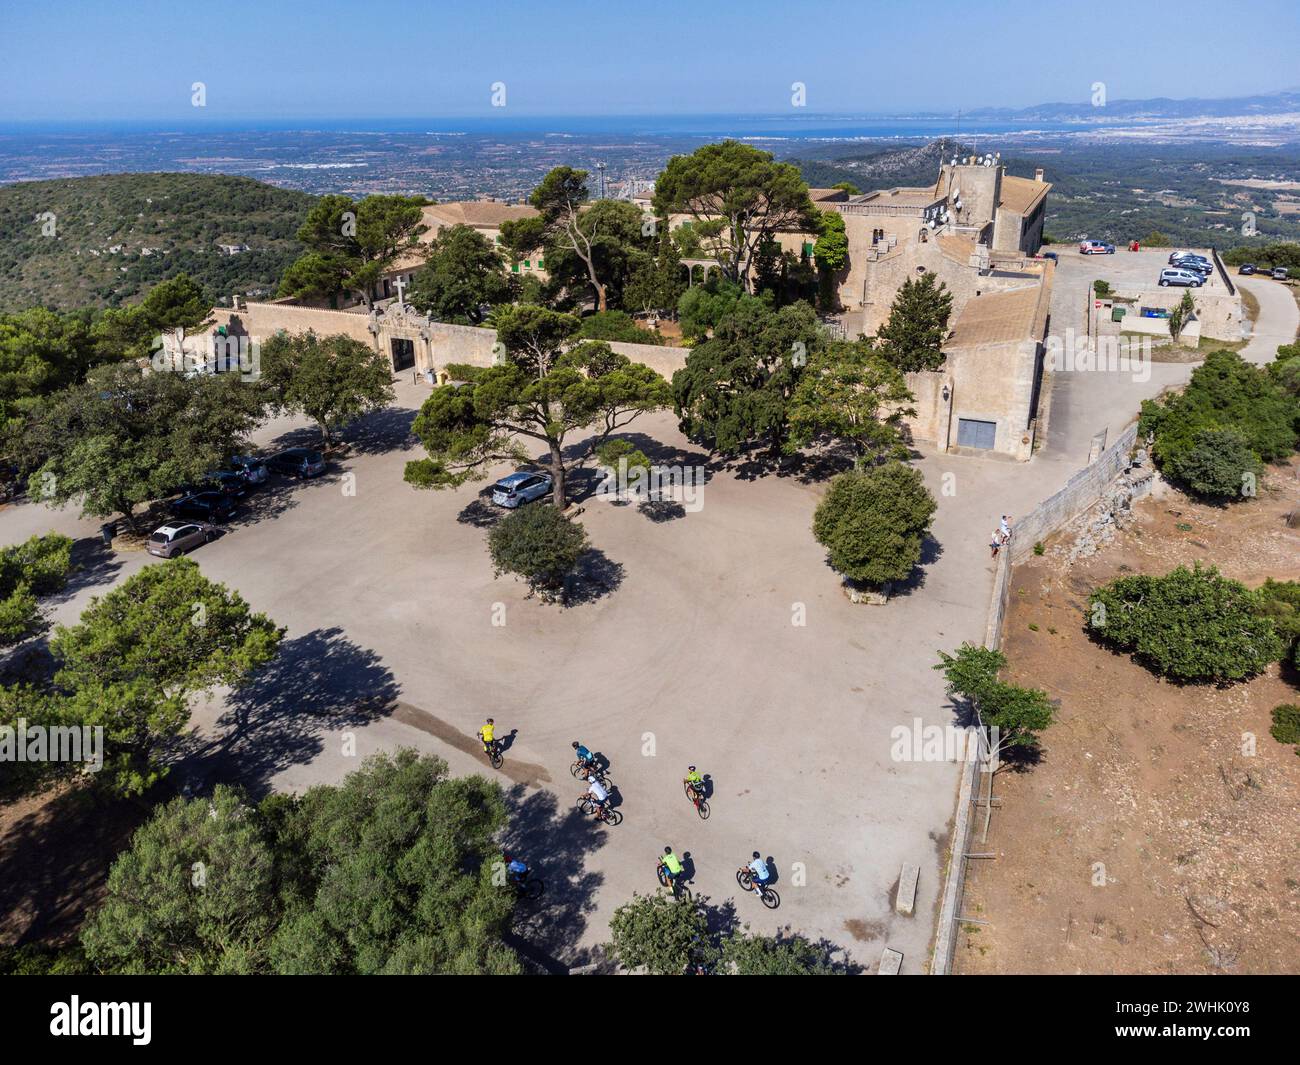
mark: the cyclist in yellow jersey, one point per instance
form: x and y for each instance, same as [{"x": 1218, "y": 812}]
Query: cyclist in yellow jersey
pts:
[
  {"x": 694, "y": 781},
  {"x": 672, "y": 865},
  {"x": 487, "y": 734}
]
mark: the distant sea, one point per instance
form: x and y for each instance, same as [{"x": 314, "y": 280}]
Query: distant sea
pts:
[{"x": 792, "y": 126}]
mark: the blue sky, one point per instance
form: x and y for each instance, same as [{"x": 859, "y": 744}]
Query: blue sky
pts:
[{"x": 270, "y": 60}]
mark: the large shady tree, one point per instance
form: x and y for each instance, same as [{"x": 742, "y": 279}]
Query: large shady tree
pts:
[
  {"x": 545, "y": 389},
  {"x": 739, "y": 198}
]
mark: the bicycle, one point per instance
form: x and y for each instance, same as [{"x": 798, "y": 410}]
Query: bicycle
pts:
[
  {"x": 768, "y": 896},
  {"x": 674, "y": 883},
  {"x": 493, "y": 751},
  {"x": 605, "y": 814},
  {"x": 582, "y": 770},
  {"x": 529, "y": 887},
  {"x": 696, "y": 795}
]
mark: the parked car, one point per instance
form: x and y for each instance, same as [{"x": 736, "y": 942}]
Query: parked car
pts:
[
  {"x": 1279, "y": 273},
  {"x": 1174, "y": 275},
  {"x": 519, "y": 488},
  {"x": 1246, "y": 268},
  {"x": 251, "y": 468},
  {"x": 1194, "y": 262},
  {"x": 1174, "y": 256},
  {"x": 1096, "y": 247},
  {"x": 204, "y": 506},
  {"x": 228, "y": 482},
  {"x": 168, "y": 541},
  {"x": 297, "y": 462}
]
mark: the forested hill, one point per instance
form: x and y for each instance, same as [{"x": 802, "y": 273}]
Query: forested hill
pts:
[{"x": 116, "y": 235}]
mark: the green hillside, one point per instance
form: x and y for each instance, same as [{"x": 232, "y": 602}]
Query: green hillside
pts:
[{"x": 116, "y": 235}]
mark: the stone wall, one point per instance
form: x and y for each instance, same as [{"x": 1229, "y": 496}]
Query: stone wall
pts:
[
  {"x": 440, "y": 343},
  {"x": 1079, "y": 493}
]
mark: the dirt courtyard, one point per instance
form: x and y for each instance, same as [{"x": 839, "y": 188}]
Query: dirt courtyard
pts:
[{"x": 1148, "y": 839}]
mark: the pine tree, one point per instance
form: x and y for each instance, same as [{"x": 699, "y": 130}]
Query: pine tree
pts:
[{"x": 912, "y": 339}]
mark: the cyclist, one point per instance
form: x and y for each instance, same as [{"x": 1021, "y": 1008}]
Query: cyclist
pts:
[
  {"x": 761, "y": 872},
  {"x": 694, "y": 781},
  {"x": 586, "y": 757},
  {"x": 516, "y": 870},
  {"x": 488, "y": 735},
  {"x": 598, "y": 795},
  {"x": 672, "y": 867}
]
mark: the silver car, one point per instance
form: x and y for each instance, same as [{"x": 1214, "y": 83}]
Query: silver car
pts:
[
  {"x": 521, "y": 487},
  {"x": 1176, "y": 276},
  {"x": 177, "y": 538}
]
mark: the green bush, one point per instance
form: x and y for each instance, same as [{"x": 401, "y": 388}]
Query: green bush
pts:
[
  {"x": 538, "y": 543},
  {"x": 1286, "y": 724},
  {"x": 1226, "y": 393},
  {"x": 873, "y": 522},
  {"x": 615, "y": 325},
  {"x": 1189, "y": 625},
  {"x": 1280, "y": 601},
  {"x": 1219, "y": 465}
]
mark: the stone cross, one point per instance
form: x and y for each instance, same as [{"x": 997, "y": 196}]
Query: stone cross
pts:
[{"x": 400, "y": 285}]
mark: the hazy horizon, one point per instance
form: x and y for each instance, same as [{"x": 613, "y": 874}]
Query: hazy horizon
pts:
[{"x": 403, "y": 61}]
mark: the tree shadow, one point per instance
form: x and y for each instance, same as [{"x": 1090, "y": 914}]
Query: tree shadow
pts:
[
  {"x": 595, "y": 576},
  {"x": 55, "y": 858},
  {"x": 92, "y": 564},
  {"x": 931, "y": 551},
  {"x": 555, "y": 842},
  {"x": 480, "y": 513},
  {"x": 318, "y": 683},
  {"x": 381, "y": 431}
]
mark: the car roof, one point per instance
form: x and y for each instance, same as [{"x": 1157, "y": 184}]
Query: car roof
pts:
[
  {"x": 172, "y": 529},
  {"x": 512, "y": 479}
]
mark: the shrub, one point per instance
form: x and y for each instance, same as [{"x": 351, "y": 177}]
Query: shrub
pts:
[
  {"x": 659, "y": 934},
  {"x": 616, "y": 325},
  {"x": 1219, "y": 465},
  {"x": 1280, "y": 601},
  {"x": 1286, "y": 724},
  {"x": 1224, "y": 393},
  {"x": 1189, "y": 625},
  {"x": 539, "y": 544},
  {"x": 873, "y": 522}
]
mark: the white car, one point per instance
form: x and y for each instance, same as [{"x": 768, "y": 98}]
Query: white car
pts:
[
  {"x": 1174, "y": 276},
  {"x": 521, "y": 487}
]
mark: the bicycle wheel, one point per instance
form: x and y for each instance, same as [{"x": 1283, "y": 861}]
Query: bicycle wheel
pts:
[
  {"x": 663, "y": 876},
  {"x": 702, "y": 808},
  {"x": 745, "y": 879},
  {"x": 584, "y": 805},
  {"x": 613, "y": 817},
  {"x": 533, "y": 890},
  {"x": 496, "y": 759},
  {"x": 578, "y": 770},
  {"x": 770, "y": 898}
]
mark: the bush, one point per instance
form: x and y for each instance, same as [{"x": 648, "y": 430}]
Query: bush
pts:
[
  {"x": 1286, "y": 724},
  {"x": 1219, "y": 465},
  {"x": 615, "y": 325},
  {"x": 873, "y": 522},
  {"x": 1224, "y": 393},
  {"x": 1280, "y": 601},
  {"x": 537, "y": 543},
  {"x": 1189, "y": 625},
  {"x": 659, "y": 934}
]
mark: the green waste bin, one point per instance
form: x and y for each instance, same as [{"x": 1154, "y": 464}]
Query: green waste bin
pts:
[{"x": 1117, "y": 313}]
